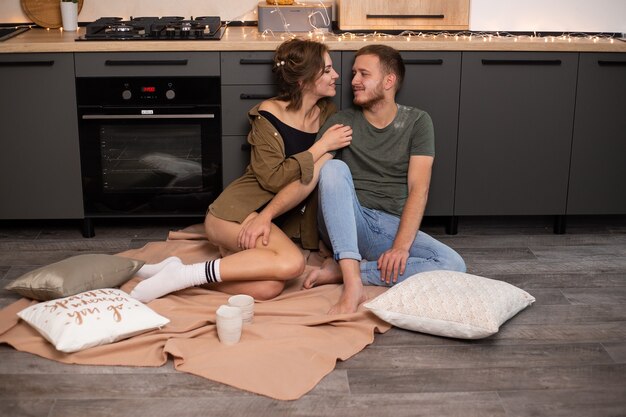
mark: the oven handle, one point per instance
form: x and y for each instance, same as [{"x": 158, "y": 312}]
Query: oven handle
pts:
[{"x": 146, "y": 116}]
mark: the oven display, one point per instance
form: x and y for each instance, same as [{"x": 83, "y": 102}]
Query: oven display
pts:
[{"x": 148, "y": 91}]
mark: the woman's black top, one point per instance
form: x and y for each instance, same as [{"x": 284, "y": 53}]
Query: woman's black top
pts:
[{"x": 295, "y": 140}]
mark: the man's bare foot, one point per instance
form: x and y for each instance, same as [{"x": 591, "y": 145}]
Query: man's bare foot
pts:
[
  {"x": 350, "y": 299},
  {"x": 328, "y": 273}
]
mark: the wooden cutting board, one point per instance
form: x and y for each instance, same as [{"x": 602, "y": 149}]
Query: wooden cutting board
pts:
[{"x": 45, "y": 13}]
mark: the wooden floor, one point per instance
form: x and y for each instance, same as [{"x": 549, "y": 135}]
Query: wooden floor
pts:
[{"x": 563, "y": 356}]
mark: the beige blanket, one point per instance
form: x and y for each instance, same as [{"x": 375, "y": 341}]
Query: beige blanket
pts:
[{"x": 291, "y": 345}]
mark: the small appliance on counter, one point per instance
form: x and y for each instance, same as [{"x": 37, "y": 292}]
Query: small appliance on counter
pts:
[
  {"x": 295, "y": 17},
  {"x": 154, "y": 28}
]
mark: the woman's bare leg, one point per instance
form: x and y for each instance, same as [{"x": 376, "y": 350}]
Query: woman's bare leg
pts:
[
  {"x": 259, "y": 290},
  {"x": 278, "y": 261}
]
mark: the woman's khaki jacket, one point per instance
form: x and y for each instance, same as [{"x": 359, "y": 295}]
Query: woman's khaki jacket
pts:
[{"x": 270, "y": 171}]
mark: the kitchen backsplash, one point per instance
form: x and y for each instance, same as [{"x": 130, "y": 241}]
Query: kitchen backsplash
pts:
[
  {"x": 485, "y": 15},
  {"x": 11, "y": 11}
]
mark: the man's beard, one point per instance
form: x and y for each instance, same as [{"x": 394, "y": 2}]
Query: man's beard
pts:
[{"x": 374, "y": 98}]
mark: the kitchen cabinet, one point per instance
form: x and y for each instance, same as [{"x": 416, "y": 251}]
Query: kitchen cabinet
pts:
[
  {"x": 403, "y": 15},
  {"x": 598, "y": 169},
  {"x": 247, "y": 79},
  {"x": 39, "y": 158},
  {"x": 515, "y": 132},
  {"x": 431, "y": 83},
  {"x": 147, "y": 64}
]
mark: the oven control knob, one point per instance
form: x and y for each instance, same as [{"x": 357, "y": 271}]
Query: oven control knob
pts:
[
  {"x": 126, "y": 94},
  {"x": 170, "y": 94}
]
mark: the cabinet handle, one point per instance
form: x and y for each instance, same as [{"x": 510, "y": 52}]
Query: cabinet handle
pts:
[
  {"x": 611, "y": 63},
  {"x": 117, "y": 63},
  {"x": 423, "y": 61},
  {"x": 246, "y": 147},
  {"x": 146, "y": 116},
  {"x": 405, "y": 16},
  {"x": 252, "y": 61},
  {"x": 244, "y": 96},
  {"x": 27, "y": 64},
  {"x": 521, "y": 62}
]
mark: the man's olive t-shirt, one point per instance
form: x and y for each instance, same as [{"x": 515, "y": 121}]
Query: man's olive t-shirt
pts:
[{"x": 379, "y": 158}]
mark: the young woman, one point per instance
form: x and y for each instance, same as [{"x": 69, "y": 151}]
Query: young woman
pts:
[{"x": 242, "y": 219}]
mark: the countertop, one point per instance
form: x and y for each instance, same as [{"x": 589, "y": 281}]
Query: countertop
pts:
[{"x": 246, "y": 38}]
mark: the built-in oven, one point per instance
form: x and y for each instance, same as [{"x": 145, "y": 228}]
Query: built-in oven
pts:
[{"x": 149, "y": 147}]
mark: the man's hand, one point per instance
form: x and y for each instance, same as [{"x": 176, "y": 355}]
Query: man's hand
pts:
[
  {"x": 254, "y": 226},
  {"x": 391, "y": 263}
]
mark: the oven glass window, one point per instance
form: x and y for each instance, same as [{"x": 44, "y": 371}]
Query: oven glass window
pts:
[{"x": 150, "y": 158}]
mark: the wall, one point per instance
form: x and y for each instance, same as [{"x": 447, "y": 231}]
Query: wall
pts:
[
  {"x": 485, "y": 15},
  {"x": 11, "y": 11},
  {"x": 548, "y": 15}
]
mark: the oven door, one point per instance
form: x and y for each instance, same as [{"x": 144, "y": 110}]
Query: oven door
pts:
[{"x": 157, "y": 162}]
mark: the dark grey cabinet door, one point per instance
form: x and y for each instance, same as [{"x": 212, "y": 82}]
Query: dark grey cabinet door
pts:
[
  {"x": 431, "y": 83},
  {"x": 237, "y": 100},
  {"x": 39, "y": 154},
  {"x": 515, "y": 132},
  {"x": 247, "y": 67},
  {"x": 147, "y": 64},
  {"x": 235, "y": 157},
  {"x": 598, "y": 168}
]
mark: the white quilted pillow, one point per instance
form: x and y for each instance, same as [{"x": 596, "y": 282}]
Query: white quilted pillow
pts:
[{"x": 452, "y": 304}]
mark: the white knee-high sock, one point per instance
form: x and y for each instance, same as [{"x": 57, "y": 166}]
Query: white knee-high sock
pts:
[
  {"x": 176, "y": 276},
  {"x": 149, "y": 270}
]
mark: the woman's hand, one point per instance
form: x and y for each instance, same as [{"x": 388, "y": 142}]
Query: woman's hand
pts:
[
  {"x": 336, "y": 137},
  {"x": 254, "y": 226}
]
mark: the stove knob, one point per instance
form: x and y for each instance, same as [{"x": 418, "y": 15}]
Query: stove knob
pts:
[
  {"x": 126, "y": 94},
  {"x": 170, "y": 94}
]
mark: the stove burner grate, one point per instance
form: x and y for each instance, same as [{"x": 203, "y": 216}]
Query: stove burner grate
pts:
[{"x": 155, "y": 28}]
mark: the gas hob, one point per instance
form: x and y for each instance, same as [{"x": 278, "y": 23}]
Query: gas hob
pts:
[{"x": 154, "y": 29}]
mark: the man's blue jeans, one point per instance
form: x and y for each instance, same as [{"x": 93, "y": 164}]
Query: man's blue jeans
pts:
[{"x": 363, "y": 234}]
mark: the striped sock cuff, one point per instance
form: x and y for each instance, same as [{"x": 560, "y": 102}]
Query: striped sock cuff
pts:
[{"x": 212, "y": 271}]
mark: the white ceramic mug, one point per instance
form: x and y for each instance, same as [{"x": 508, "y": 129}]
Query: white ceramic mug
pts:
[
  {"x": 229, "y": 323},
  {"x": 246, "y": 304}
]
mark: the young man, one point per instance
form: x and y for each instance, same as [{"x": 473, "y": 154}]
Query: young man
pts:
[{"x": 373, "y": 194}]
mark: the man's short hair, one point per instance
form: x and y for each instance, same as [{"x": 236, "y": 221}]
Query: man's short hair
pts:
[{"x": 390, "y": 60}]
